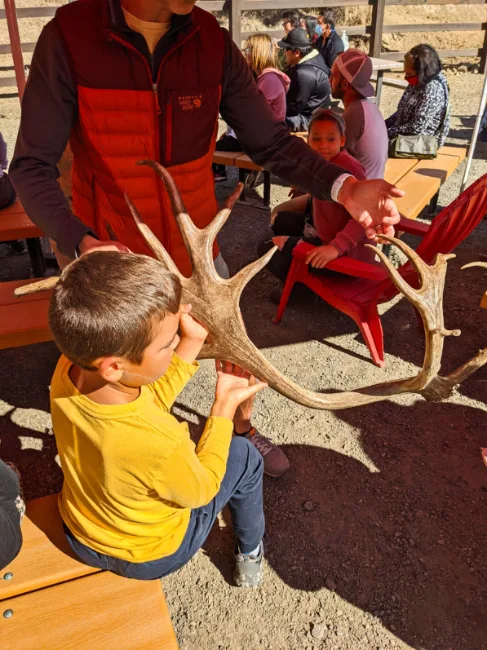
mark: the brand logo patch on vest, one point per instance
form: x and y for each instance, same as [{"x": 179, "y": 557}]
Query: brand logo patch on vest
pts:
[{"x": 190, "y": 102}]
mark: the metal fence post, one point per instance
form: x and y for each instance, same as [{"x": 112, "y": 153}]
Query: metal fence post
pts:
[{"x": 377, "y": 26}]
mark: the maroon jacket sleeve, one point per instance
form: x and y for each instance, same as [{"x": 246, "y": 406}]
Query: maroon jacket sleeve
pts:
[
  {"x": 49, "y": 109},
  {"x": 263, "y": 138}
]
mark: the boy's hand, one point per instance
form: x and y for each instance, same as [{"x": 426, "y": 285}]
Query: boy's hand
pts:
[
  {"x": 321, "y": 255},
  {"x": 190, "y": 328},
  {"x": 233, "y": 387}
]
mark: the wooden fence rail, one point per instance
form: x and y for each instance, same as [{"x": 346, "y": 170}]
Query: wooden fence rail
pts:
[{"x": 235, "y": 8}]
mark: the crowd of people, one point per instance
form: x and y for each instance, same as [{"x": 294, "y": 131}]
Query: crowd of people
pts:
[{"x": 128, "y": 343}]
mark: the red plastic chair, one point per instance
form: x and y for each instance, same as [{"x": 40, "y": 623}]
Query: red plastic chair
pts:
[{"x": 358, "y": 296}]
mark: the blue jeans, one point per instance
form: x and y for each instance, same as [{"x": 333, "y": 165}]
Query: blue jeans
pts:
[{"x": 241, "y": 488}]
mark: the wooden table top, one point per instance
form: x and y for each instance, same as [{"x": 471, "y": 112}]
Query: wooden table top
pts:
[{"x": 386, "y": 64}]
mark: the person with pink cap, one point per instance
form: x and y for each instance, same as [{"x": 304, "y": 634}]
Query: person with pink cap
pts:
[{"x": 367, "y": 139}]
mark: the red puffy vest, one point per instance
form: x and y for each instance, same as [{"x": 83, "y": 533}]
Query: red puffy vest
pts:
[{"x": 125, "y": 117}]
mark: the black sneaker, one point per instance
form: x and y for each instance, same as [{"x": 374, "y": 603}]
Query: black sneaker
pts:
[{"x": 18, "y": 246}]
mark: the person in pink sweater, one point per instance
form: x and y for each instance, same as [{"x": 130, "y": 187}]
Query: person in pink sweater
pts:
[
  {"x": 325, "y": 224},
  {"x": 273, "y": 84}
]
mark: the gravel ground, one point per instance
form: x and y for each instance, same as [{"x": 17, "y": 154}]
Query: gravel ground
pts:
[{"x": 374, "y": 535}]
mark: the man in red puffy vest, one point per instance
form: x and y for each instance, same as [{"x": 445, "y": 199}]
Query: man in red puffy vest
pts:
[{"x": 136, "y": 79}]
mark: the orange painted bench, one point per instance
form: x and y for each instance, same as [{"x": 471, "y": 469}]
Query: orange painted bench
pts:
[
  {"x": 23, "y": 320},
  {"x": 15, "y": 224},
  {"x": 48, "y": 599}
]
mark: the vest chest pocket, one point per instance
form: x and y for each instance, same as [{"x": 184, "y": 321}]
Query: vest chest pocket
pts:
[{"x": 188, "y": 123}]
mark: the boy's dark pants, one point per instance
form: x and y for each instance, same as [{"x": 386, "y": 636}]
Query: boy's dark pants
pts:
[{"x": 241, "y": 488}]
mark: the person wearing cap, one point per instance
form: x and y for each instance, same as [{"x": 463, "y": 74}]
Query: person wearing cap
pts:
[
  {"x": 12, "y": 509},
  {"x": 329, "y": 44},
  {"x": 328, "y": 227},
  {"x": 367, "y": 137},
  {"x": 309, "y": 88}
]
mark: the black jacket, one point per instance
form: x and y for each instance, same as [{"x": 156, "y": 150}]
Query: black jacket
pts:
[
  {"x": 309, "y": 90},
  {"x": 330, "y": 49}
]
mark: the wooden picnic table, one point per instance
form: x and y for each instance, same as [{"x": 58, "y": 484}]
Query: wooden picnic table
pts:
[{"x": 380, "y": 66}]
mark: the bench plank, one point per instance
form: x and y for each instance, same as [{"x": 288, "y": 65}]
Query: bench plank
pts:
[
  {"x": 451, "y": 150},
  {"x": 15, "y": 224},
  {"x": 99, "y": 611},
  {"x": 46, "y": 557},
  {"x": 396, "y": 168},
  {"x": 226, "y": 157},
  {"x": 423, "y": 182},
  {"x": 23, "y": 320}
]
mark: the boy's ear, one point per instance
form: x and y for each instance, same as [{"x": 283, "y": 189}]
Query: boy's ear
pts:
[{"x": 110, "y": 368}]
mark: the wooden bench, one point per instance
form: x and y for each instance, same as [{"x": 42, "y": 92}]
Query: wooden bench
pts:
[
  {"x": 23, "y": 320},
  {"x": 50, "y": 600},
  {"x": 15, "y": 224}
]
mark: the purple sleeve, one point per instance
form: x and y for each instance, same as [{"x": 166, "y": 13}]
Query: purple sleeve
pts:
[{"x": 3, "y": 155}]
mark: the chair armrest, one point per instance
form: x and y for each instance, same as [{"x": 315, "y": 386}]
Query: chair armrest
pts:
[
  {"x": 413, "y": 227},
  {"x": 345, "y": 265}
]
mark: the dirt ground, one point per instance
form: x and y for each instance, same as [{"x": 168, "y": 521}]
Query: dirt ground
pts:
[{"x": 375, "y": 535}]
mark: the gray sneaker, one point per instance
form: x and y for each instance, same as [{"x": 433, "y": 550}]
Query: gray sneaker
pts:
[
  {"x": 248, "y": 569},
  {"x": 275, "y": 460}
]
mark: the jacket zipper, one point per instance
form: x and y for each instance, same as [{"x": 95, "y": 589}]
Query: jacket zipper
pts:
[{"x": 157, "y": 113}]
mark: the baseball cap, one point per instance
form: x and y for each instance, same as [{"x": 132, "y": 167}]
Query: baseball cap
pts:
[
  {"x": 356, "y": 68},
  {"x": 297, "y": 39}
]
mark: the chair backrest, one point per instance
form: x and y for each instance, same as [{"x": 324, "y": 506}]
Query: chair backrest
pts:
[{"x": 448, "y": 229}]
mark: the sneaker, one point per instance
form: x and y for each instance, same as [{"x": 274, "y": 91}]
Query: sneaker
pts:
[
  {"x": 248, "y": 569},
  {"x": 275, "y": 460},
  {"x": 220, "y": 177},
  {"x": 18, "y": 246}
]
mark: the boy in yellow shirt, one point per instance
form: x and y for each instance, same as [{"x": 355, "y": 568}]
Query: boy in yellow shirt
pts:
[{"x": 139, "y": 498}]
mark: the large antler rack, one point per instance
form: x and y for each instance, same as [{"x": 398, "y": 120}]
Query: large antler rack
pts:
[{"x": 215, "y": 303}]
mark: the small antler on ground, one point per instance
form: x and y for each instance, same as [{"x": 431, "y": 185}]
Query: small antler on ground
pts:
[{"x": 215, "y": 303}]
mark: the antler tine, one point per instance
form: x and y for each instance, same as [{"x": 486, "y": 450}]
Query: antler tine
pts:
[
  {"x": 171, "y": 187},
  {"x": 471, "y": 264},
  {"x": 398, "y": 280},
  {"x": 33, "y": 287},
  {"x": 420, "y": 266},
  {"x": 213, "y": 228},
  {"x": 244, "y": 276},
  {"x": 152, "y": 241}
]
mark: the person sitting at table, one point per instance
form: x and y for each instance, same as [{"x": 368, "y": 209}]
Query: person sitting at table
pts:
[
  {"x": 367, "y": 138},
  {"x": 309, "y": 24},
  {"x": 273, "y": 84},
  {"x": 329, "y": 44},
  {"x": 309, "y": 88},
  {"x": 290, "y": 20},
  {"x": 424, "y": 108}
]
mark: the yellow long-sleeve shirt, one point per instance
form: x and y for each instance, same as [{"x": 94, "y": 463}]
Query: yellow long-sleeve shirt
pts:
[{"x": 131, "y": 472}]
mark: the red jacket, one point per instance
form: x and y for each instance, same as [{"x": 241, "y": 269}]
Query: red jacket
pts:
[{"x": 124, "y": 116}]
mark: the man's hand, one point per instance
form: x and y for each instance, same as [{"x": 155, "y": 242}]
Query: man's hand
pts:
[
  {"x": 321, "y": 255},
  {"x": 191, "y": 328},
  {"x": 89, "y": 244},
  {"x": 234, "y": 386},
  {"x": 371, "y": 204}
]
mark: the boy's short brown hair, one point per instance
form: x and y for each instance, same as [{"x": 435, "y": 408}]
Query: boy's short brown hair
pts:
[{"x": 107, "y": 303}]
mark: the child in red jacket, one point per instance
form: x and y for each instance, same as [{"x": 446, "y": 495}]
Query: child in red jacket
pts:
[{"x": 325, "y": 224}]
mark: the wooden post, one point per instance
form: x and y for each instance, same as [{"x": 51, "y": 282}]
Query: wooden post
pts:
[
  {"x": 378, "y": 11},
  {"x": 235, "y": 23},
  {"x": 15, "y": 45}
]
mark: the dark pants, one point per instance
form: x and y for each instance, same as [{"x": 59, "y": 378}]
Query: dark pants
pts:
[
  {"x": 292, "y": 225},
  {"x": 11, "y": 507},
  {"x": 241, "y": 488},
  {"x": 7, "y": 192},
  {"x": 226, "y": 143}
]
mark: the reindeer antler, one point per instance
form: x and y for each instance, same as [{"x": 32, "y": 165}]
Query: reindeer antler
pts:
[{"x": 215, "y": 302}]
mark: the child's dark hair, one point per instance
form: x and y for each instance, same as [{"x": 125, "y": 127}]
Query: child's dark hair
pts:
[
  {"x": 327, "y": 115},
  {"x": 108, "y": 303}
]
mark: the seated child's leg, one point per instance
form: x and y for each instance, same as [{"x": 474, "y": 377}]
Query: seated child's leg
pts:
[{"x": 241, "y": 488}]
